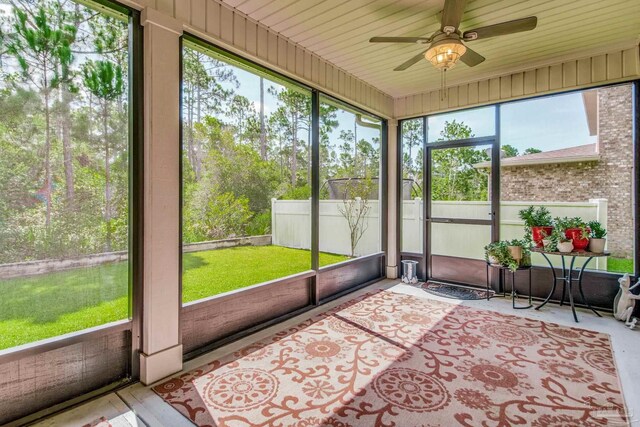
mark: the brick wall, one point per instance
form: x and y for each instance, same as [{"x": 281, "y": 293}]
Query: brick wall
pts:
[{"x": 609, "y": 178}]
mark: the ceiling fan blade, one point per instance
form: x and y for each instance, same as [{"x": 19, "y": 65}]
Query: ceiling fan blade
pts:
[
  {"x": 410, "y": 62},
  {"x": 398, "y": 40},
  {"x": 452, "y": 13},
  {"x": 471, "y": 58},
  {"x": 509, "y": 27}
]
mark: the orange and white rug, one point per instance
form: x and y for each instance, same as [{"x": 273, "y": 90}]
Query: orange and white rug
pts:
[{"x": 388, "y": 359}]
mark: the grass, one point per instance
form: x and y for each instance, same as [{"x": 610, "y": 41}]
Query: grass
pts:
[
  {"x": 44, "y": 306},
  {"x": 213, "y": 272},
  {"x": 620, "y": 265}
]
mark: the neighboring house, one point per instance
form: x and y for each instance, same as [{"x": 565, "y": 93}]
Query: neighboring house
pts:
[{"x": 603, "y": 170}]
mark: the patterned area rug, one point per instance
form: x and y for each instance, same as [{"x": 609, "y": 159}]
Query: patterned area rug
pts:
[
  {"x": 447, "y": 290},
  {"x": 100, "y": 422},
  {"x": 387, "y": 359}
]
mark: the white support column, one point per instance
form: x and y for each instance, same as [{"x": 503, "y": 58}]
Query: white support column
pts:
[
  {"x": 161, "y": 353},
  {"x": 392, "y": 204}
]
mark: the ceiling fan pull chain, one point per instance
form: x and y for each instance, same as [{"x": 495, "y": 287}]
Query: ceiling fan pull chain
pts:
[{"x": 443, "y": 88}]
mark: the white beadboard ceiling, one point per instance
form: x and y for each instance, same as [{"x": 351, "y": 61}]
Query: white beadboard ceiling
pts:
[{"x": 339, "y": 30}]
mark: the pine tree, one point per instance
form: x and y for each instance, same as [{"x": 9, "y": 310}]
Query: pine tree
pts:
[
  {"x": 41, "y": 44},
  {"x": 104, "y": 80}
]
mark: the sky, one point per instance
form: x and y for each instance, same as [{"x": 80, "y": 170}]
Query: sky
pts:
[{"x": 548, "y": 123}]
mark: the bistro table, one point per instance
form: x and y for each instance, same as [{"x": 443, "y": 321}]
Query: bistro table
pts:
[{"x": 567, "y": 278}]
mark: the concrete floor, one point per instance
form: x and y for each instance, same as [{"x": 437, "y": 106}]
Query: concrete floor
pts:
[{"x": 137, "y": 405}]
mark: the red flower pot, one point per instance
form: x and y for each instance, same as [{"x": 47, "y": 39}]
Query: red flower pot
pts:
[
  {"x": 539, "y": 233},
  {"x": 575, "y": 234}
]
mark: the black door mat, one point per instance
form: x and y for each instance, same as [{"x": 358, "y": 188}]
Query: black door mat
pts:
[{"x": 447, "y": 290}]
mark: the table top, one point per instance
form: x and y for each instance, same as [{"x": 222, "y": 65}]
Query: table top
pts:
[{"x": 585, "y": 254}]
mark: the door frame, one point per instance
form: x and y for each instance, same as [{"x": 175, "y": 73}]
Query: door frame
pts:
[{"x": 493, "y": 221}]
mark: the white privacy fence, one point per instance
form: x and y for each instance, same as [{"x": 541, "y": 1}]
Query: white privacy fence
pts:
[
  {"x": 469, "y": 240},
  {"x": 291, "y": 226}
]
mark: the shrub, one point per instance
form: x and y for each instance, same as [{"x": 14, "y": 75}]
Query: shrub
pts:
[
  {"x": 259, "y": 225},
  {"x": 215, "y": 216}
]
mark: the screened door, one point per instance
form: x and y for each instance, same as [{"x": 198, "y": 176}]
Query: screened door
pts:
[{"x": 460, "y": 210}]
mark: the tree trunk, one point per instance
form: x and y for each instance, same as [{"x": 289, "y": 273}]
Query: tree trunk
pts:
[
  {"x": 107, "y": 174},
  {"x": 47, "y": 151},
  {"x": 263, "y": 136},
  {"x": 355, "y": 149},
  {"x": 197, "y": 152},
  {"x": 190, "y": 150},
  {"x": 67, "y": 150},
  {"x": 294, "y": 151},
  {"x": 281, "y": 156},
  {"x": 410, "y": 161}
]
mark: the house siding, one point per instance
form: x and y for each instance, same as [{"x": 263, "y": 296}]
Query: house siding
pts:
[
  {"x": 609, "y": 178},
  {"x": 581, "y": 73},
  {"x": 225, "y": 26}
]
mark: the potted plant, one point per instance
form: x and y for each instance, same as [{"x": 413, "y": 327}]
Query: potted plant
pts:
[
  {"x": 560, "y": 241},
  {"x": 515, "y": 249},
  {"x": 576, "y": 230},
  {"x": 492, "y": 253},
  {"x": 502, "y": 253},
  {"x": 597, "y": 241},
  {"x": 537, "y": 223},
  {"x": 520, "y": 251}
]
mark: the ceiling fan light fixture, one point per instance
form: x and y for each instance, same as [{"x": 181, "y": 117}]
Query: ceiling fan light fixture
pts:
[{"x": 445, "y": 54}]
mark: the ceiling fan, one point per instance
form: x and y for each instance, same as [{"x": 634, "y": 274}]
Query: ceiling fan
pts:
[{"x": 446, "y": 47}]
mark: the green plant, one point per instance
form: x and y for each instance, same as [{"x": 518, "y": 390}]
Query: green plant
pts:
[
  {"x": 259, "y": 225},
  {"x": 492, "y": 250},
  {"x": 500, "y": 251},
  {"x": 536, "y": 217},
  {"x": 563, "y": 224},
  {"x": 557, "y": 236},
  {"x": 215, "y": 216},
  {"x": 597, "y": 231},
  {"x": 525, "y": 244}
]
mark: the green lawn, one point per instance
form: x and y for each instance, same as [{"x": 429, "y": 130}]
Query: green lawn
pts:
[
  {"x": 49, "y": 305},
  {"x": 620, "y": 265},
  {"x": 213, "y": 272}
]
